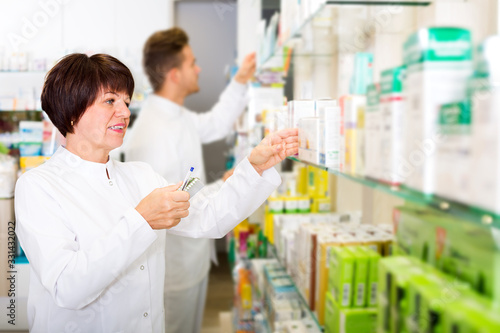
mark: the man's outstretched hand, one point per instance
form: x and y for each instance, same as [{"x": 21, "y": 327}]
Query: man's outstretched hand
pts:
[{"x": 274, "y": 148}]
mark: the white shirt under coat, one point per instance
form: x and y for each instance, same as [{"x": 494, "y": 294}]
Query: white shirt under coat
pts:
[
  {"x": 169, "y": 137},
  {"x": 96, "y": 264}
]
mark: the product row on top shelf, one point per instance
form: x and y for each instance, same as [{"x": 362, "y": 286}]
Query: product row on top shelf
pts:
[{"x": 295, "y": 20}]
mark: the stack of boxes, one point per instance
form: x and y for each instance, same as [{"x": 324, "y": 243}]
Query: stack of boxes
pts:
[
  {"x": 305, "y": 246},
  {"x": 485, "y": 144},
  {"x": 352, "y": 289},
  {"x": 307, "y": 192},
  {"x": 415, "y": 297},
  {"x": 438, "y": 64},
  {"x": 445, "y": 265}
]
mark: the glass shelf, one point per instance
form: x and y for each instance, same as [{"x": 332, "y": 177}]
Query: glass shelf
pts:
[
  {"x": 380, "y": 2},
  {"x": 310, "y": 314},
  {"x": 20, "y": 110},
  {"x": 267, "y": 63},
  {"x": 23, "y": 72},
  {"x": 456, "y": 209}
]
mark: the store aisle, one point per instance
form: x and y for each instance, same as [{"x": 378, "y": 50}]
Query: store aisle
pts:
[{"x": 219, "y": 297}]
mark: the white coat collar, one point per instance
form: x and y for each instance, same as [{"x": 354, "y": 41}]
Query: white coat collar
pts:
[
  {"x": 165, "y": 105},
  {"x": 96, "y": 170}
]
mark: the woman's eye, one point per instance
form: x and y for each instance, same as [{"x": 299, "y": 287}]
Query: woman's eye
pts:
[
  {"x": 110, "y": 101},
  {"x": 127, "y": 104}
]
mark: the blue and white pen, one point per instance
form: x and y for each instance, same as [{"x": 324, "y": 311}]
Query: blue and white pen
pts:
[{"x": 186, "y": 179}]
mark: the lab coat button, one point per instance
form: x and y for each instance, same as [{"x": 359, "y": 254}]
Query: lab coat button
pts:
[
  {"x": 110, "y": 183},
  {"x": 142, "y": 267},
  {"x": 145, "y": 314}
]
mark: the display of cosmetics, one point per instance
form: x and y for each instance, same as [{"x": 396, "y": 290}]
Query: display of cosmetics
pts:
[{"x": 303, "y": 243}]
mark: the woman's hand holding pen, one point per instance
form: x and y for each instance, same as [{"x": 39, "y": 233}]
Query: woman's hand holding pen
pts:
[
  {"x": 164, "y": 207},
  {"x": 274, "y": 148}
]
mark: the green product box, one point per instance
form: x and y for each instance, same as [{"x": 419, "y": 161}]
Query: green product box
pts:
[
  {"x": 428, "y": 297},
  {"x": 470, "y": 252},
  {"x": 341, "y": 275},
  {"x": 344, "y": 320},
  {"x": 360, "y": 283},
  {"x": 394, "y": 275},
  {"x": 457, "y": 247},
  {"x": 414, "y": 233},
  {"x": 372, "y": 284},
  {"x": 471, "y": 314}
]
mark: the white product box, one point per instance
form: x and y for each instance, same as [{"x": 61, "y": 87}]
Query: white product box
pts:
[
  {"x": 329, "y": 115},
  {"x": 300, "y": 109},
  {"x": 373, "y": 125},
  {"x": 438, "y": 65},
  {"x": 309, "y": 139},
  {"x": 453, "y": 152},
  {"x": 392, "y": 112},
  {"x": 485, "y": 146}
]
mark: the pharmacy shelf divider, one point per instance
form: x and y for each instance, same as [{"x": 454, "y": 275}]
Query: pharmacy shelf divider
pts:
[{"x": 456, "y": 209}]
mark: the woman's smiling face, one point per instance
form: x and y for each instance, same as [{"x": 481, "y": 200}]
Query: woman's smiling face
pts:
[{"x": 103, "y": 124}]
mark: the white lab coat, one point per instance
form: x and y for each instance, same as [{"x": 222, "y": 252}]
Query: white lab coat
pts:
[
  {"x": 96, "y": 264},
  {"x": 169, "y": 138}
]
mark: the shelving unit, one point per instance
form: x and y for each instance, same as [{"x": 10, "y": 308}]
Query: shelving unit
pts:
[
  {"x": 298, "y": 33},
  {"x": 274, "y": 254},
  {"x": 456, "y": 209}
]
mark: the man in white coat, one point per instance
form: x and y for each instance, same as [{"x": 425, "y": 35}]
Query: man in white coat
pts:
[{"x": 169, "y": 137}]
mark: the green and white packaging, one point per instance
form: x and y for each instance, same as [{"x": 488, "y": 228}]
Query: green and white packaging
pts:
[
  {"x": 372, "y": 284},
  {"x": 373, "y": 131},
  {"x": 392, "y": 112},
  {"x": 485, "y": 146},
  {"x": 341, "y": 275},
  {"x": 438, "y": 62},
  {"x": 345, "y": 320},
  {"x": 453, "y": 163},
  {"x": 360, "y": 282}
]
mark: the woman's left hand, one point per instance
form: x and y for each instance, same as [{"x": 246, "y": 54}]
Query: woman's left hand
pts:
[{"x": 274, "y": 148}]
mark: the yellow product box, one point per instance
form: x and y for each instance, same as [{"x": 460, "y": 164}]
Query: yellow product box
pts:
[
  {"x": 351, "y": 104},
  {"x": 325, "y": 243},
  {"x": 321, "y": 180},
  {"x": 29, "y": 162},
  {"x": 269, "y": 226},
  {"x": 321, "y": 205},
  {"x": 302, "y": 181}
]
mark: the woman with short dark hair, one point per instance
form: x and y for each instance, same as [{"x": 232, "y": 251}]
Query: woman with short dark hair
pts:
[{"x": 93, "y": 229}]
